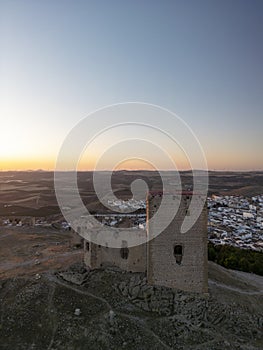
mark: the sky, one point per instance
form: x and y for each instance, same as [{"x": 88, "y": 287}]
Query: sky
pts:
[{"x": 200, "y": 59}]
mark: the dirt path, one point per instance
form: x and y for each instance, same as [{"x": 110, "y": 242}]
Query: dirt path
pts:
[
  {"x": 235, "y": 289},
  {"x": 52, "y": 278}
]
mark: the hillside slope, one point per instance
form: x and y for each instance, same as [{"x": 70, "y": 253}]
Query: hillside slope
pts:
[{"x": 120, "y": 311}]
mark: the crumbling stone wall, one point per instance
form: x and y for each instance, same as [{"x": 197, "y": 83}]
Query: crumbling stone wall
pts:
[
  {"x": 172, "y": 259},
  {"x": 129, "y": 259}
]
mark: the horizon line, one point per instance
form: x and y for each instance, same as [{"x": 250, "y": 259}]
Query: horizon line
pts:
[{"x": 132, "y": 170}]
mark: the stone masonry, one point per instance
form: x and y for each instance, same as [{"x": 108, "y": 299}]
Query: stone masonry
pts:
[
  {"x": 171, "y": 259},
  {"x": 175, "y": 259}
]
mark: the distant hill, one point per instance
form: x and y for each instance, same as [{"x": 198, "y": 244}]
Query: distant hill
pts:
[{"x": 247, "y": 191}]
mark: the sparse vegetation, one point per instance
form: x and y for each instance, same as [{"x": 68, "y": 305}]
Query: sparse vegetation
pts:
[
  {"x": 236, "y": 258},
  {"x": 118, "y": 310}
]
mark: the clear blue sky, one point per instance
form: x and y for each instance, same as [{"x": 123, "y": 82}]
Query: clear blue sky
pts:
[{"x": 202, "y": 59}]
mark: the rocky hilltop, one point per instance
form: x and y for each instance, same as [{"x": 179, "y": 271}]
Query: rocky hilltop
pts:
[{"x": 111, "y": 309}]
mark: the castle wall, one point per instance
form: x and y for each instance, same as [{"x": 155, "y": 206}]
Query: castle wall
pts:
[
  {"x": 163, "y": 264},
  {"x": 172, "y": 259},
  {"x": 129, "y": 259}
]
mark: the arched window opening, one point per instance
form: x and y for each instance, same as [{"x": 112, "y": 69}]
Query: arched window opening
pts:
[
  {"x": 178, "y": 253},
  {"x": 124, "y": 253}
]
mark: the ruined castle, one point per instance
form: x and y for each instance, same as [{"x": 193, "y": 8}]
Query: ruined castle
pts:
[{"x": 172, "y": 259}]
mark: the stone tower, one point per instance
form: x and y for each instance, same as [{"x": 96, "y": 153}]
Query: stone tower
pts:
[{"x": 175, "y": 259}]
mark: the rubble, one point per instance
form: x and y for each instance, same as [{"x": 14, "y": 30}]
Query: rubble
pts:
[
  {"x": 77, "y": 312},
  {"x": 115, "y": 310}
]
